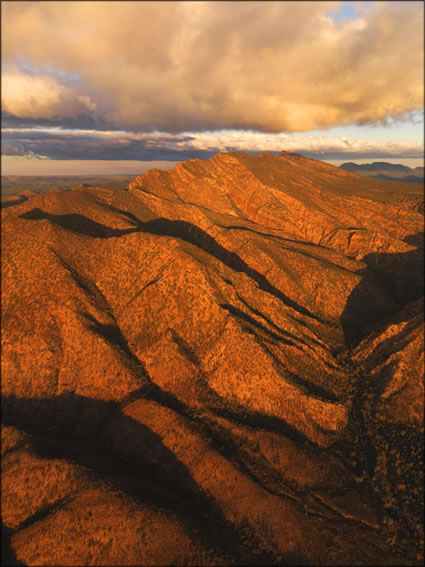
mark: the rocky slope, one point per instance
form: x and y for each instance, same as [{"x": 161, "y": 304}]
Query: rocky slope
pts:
[{"x": 221, "y": 365}]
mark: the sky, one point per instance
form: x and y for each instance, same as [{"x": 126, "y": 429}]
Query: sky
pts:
[{"x": 121, "y": 87}]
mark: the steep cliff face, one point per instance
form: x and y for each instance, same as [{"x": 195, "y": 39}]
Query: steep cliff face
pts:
[{"x": 214, "y": 367}]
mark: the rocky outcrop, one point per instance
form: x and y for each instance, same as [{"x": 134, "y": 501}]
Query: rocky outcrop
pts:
[{"x": 214, "y": 367}]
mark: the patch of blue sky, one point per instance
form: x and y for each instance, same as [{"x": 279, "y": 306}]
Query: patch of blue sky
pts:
[
  {"x": 345, "y": 11},
  {"x": 62, "y": 74},
  {"x": 26, "y": 66},
  {"x": 350, "y": 10}
]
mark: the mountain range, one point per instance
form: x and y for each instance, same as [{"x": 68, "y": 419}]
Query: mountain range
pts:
[
  {"x": 220, "y": 365},
  {"x": 385, "y": 170}
]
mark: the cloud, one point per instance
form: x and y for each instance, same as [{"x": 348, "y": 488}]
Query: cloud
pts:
[
  {"x": 65, "y": 144},
  {"x": 57, "y": 143},
  {"x": 307, "y": 145},
  {"x": 32, "y": 155},
  {"x": 11, "y": 149},
  {"x": 188, "y": 66},
  {"x": 30, "y": 96},
  {"x": 17, "y": 150}
]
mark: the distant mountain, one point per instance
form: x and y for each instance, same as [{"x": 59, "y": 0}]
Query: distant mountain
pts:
[
  {"x": 385, "y": 170},
  {"x": 219, "y": 365},
  {"x": 15, "y": 184}
]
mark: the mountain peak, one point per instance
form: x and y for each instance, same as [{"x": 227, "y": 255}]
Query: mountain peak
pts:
[{"x": 230, "y": 347}]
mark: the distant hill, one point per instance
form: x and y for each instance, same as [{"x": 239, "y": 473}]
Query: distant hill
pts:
[
  {"x": 14, "y": 184},
  {"x": 385, "y": 170}
]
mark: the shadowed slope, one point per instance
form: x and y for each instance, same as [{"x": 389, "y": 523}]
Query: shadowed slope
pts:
[{"x": 400, "y": 275}]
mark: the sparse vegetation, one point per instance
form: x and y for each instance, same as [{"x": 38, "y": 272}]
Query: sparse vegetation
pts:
[{"x": 214, "y": 367}]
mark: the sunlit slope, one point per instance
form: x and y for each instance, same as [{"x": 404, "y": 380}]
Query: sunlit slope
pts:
[{"x": 178, "y": 382}]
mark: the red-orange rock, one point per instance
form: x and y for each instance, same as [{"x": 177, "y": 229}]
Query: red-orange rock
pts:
[{"x": 221, "y": 365}]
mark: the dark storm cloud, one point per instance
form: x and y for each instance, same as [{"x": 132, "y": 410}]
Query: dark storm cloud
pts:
[
  {"x": 11, "y": 149},
  {"x": 72, "y": 144},
  {"x": 92, "y": 145},
  {"x": 76, "y": 122}
]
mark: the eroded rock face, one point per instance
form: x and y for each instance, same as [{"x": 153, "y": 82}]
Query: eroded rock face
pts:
[{"x": 218, "y": 366}]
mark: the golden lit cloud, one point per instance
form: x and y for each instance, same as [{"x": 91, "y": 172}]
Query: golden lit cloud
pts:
[
  {"x": 29, "y": 96},
  {"x": 178, "y": 66}
]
